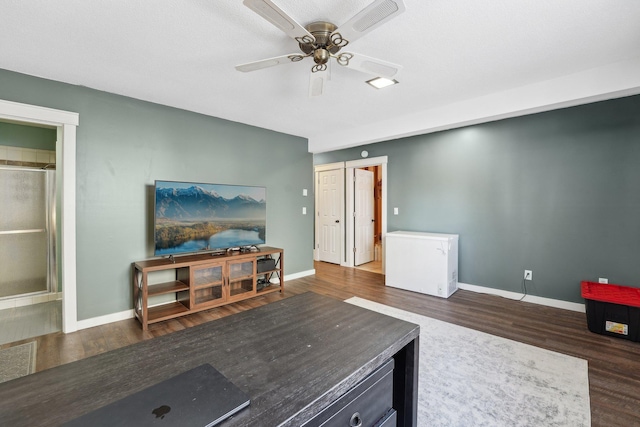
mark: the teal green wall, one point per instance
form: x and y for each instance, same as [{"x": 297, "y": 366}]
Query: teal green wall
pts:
[
  {"x": 15, "y": 135},
  {"x": 556, "y": 192},
  {"x": 123, "y": 145}
]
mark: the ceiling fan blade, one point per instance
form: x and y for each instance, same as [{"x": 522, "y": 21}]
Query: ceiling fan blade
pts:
[
  {"x": 370, "y": 18},
  {"x": 272, "y": 13},
  {"x": 366, "y": 64},
  {"x": 317, "y": 82},
  {"x": 269, "y": 62}
]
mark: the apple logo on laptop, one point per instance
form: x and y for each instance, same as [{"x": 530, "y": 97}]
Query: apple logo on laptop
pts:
[{"x": 161, "y": 411}]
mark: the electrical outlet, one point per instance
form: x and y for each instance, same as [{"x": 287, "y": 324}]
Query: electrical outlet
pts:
[
  {"x": 528, "y": 275},
  {"x": 603, "y": 280}
]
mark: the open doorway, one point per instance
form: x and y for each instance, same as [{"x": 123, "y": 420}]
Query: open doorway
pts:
[
  {"x": 65, "y": 124},
  {"x": 28, "y": 233},
  {"x": 357, "y": 233},
  {"x": 368, "y": 218}
]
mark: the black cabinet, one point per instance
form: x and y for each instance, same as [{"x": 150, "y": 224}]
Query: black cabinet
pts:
[{"x": 368, "y": 404}]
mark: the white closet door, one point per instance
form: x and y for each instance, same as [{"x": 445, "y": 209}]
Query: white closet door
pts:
[{"x": 329, "y": 214}]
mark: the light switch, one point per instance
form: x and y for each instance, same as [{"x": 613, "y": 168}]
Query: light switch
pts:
[
  {"x": 304, "y": 211},
  {"x": 395, "y": 211},
  {"x": 304, "y": 192}
]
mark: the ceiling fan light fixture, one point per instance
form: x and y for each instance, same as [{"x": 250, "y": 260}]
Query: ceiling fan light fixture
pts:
[
  {"x": 381, "y": 82},
  {"x": 321, "y": 56}
]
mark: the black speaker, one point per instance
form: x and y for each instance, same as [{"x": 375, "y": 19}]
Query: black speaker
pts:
[{"x": 266, "y": 264}]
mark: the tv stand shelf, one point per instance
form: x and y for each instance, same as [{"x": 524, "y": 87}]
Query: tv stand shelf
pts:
[
  {"x": 203, "y": 281},
  {"x": 167, "y": 288}
]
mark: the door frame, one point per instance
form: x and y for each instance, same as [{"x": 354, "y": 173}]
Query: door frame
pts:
[
  {"x": 65, "y": 122},
  {"x": 348, "y": 224}
]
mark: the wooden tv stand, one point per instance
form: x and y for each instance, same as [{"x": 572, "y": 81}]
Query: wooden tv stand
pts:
[{"x": 168, "y": 288}]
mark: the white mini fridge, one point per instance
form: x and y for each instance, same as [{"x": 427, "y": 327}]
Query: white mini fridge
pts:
[{"x": 422, "y": 262}]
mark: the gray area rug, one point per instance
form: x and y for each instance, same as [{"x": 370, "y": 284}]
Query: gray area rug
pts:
[
  {"x": 470, "y": 378},
  {"x": 17, "y": 361}
]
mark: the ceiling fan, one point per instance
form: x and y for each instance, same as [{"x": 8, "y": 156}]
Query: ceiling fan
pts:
[{"x": 324, "y": 40}]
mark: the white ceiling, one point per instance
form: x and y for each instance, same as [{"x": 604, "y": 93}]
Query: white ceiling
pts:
[{"x": 464, "y": 61}]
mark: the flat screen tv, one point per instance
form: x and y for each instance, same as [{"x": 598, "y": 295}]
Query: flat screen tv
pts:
[{"x": 193, "y": 217}]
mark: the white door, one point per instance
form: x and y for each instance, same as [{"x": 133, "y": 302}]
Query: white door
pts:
[
  {"x": 364, "y": 216},
  {"x": 329, "y": 215}
]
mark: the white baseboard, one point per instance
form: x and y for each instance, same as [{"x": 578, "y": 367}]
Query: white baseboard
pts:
[
  {"x": 103, "y": 320},
  {"x": 128, "y": 314},
  {"x": 299, "y": 275},
  {"x": 573, "y": 306}
]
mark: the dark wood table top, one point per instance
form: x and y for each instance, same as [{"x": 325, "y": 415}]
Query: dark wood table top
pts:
[{"x": 292, "y": 357}]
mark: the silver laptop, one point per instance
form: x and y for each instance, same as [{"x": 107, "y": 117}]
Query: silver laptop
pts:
[{"x": 199, "y": 397}]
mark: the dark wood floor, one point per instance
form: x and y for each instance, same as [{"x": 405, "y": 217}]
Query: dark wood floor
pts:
[{"x": 614, "y": 364}]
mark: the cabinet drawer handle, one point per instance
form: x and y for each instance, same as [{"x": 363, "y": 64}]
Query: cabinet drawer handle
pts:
[{"x": 356, "y": 420}]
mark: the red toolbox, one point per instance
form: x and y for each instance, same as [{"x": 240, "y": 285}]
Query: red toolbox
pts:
[{"x": 612, "y": 309}]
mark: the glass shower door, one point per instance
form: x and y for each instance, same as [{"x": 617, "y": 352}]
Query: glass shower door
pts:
[{"x": 24, "y": 232}]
